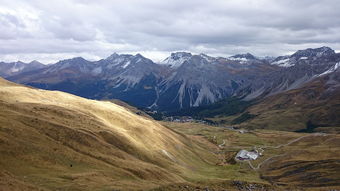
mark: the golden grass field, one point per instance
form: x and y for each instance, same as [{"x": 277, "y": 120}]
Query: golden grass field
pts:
[
  {"x": 50, "y": 140},
  {"x": 55, "y": 140}
]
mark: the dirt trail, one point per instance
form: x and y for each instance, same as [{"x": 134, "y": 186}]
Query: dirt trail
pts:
[
  {"x": 295, "y": 140},
  {"x": 221, "y": 145},
  {"x": 280, "y": 146}
]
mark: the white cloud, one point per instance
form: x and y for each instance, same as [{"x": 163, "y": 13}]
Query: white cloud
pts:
[{"x": 55, "y": 29}]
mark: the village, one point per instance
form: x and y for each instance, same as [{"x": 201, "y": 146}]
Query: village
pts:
[{"x": 184, "y": 119}]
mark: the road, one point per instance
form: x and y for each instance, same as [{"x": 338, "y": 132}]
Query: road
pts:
[{"x": 277, "y": 147}]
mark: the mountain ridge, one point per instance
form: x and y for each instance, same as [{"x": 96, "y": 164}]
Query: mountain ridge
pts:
[{"x": 182, "y": 80}]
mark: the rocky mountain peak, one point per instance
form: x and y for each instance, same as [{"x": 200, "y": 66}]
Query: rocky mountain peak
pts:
[
  {"x": 208, "y": 58},
  {"x": 139, "y": 55},
  {"x": 112, "y": 56},
  {"x": 243, "y": 58},
  {"x": 247, "y": 56},
  {"x": 76, "y": 63},
  {"x": 35, "y": 62},
  {"x": 311, "y": 54},
  {"x": 178, "y": 55},
  {"x": 314, "y": 52},
  {"x": 176, "y": 59},
  {"x": 75, "y": 60}
]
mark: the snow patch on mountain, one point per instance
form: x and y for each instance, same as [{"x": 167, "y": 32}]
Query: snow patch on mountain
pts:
[
  {"x": 17, "y": 67},
  {"x": 97, "y": 71},
  {"x": 332, "y": 69},
  {"x": 126, "y": 64},
  {"x": 208, "y": 58},
  {"x": 242, "y": 60},
  {"x": 283, "y": 63},
  {"x": 176, "y": 59},
  {"x": 175, "y": 63}
]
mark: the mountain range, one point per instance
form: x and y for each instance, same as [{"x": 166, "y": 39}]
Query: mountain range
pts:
[
  {"x": 14, "y": 68},
  {"x": 182, "y": 80},
  {"x": 52, "y": 140}
]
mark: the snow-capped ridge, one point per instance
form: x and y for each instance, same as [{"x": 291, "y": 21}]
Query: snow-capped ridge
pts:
[
  {"x": 242, "y": 58},
  {"x": 303, "y": 55},
  {"x": 112, "y": 56},
  {"x": 282, "y": 61},
  {"x": 247, "y": 56},
  {"x": 175, "y": 60}
]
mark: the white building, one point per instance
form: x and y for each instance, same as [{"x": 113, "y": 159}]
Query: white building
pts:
[{"x": 247, "y": 155}]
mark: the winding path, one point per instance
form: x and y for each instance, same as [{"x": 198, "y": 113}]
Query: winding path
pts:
[
  {"x": 221, "y": 145},
  {"x": 280, "y": 146}
]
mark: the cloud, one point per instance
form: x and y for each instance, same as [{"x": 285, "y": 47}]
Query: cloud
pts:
[{"x": 49, "y": 30}]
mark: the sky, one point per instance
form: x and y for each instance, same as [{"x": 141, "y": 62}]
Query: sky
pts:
[{"x": 51, "y": 30}]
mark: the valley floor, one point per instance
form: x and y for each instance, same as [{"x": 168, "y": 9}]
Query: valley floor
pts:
[{"x": 294, "y": 161}]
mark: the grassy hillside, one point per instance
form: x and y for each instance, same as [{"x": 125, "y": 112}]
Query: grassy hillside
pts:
[
  {"x": 54, "y": 140},
  {"x": 130, "y": 107}
]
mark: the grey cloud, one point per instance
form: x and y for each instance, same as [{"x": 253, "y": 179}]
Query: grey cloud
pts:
[{"x": 217, "y": 27}]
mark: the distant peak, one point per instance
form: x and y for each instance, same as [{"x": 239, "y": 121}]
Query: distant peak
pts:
[
  {"x": 176, "y": 59},
  {"x": 205, "y": 55},
  {"x": 77, "y": 58},
  {"x": 246, "y": 56},
  {"x": 35, "y": 62},
  {"x": 139, "y": 55},
  {"x": 208, "y": 58},
  {"x": 180, "y": 54},
  {"x": 73, "y": 60},
  {"x": 112, "y": 56},
  {"x": 324, "y": 48},
  {"x": 309, "y": 52},
  {"x": 19, "y": 62}
]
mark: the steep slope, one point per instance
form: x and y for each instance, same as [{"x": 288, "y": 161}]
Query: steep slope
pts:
[
  {"x": 316, "y": 104},
  {"x": 308, "y": 105},
  {"x": 54, "y": 140},
  {"x": 15, "y": 68},
  {"x": 202, "y": 80},
  {"x": 300, "y": 68}
]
